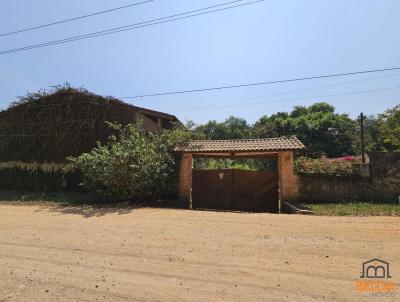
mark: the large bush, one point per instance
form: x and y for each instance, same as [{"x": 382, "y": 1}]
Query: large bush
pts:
[{"x": 131, "y": 165}]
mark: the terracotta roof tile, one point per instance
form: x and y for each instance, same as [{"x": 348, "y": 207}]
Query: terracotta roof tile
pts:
[{"x": 240, "y": 145}]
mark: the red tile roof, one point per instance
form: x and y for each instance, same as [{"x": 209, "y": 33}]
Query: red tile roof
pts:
[{"x": 241, "y": 145}]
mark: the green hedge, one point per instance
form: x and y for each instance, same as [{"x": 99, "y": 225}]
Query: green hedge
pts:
[{"x": 38, "y": 177}]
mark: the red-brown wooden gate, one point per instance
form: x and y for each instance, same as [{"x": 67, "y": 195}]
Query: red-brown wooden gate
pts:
[{"x": 235, "y": 190}]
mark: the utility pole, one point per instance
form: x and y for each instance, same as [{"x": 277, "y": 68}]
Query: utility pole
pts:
[{"x": 362, "y": 141}]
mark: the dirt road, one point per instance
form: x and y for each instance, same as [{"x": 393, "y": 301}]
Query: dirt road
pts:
[{"x": 75, "y": 254}]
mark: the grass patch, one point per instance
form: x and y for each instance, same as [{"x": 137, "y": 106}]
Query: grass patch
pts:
[
  {"x": 59, "y": 198},
  {"x": 354, "y": 209},
  {"x": 65, "y": 199}
]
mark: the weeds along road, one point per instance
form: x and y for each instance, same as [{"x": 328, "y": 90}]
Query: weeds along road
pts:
[{"x": 49, "y": 253}]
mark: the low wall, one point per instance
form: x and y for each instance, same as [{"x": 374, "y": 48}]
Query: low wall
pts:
[{"x": 382, "y": 185}]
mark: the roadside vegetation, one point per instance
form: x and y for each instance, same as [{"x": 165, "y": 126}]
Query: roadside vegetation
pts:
[
  {"x": 354, "y": 209},
  {"x": 324, "y": 166},
  {"x": 132, "y": 165},
  {"x": 139, "y": 167}
]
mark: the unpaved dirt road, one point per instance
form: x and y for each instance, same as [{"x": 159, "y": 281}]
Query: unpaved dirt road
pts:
[{"x": 75, "y": 254}]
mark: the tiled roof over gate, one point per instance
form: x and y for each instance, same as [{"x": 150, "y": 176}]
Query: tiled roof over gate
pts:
[{"x": 241, "y": 145}]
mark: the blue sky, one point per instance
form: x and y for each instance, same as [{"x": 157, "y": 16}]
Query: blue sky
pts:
[{"x": 265, "y": 41}]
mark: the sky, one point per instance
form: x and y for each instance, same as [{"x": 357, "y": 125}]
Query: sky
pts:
[{"x": 265, "y": 41}]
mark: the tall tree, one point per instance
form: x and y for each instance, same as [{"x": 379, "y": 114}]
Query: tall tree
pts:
[
  {"x": 318, "y": 126},
  {"x": 390, "y": 128},
  {"x": 231, "y": 128}
]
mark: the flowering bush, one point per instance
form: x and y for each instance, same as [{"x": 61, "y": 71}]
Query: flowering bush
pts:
[{"x": 323, "y": 166}]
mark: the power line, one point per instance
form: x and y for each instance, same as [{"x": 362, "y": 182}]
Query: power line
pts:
[
  {"x": 34, "y": 105},
  {"x": 131, "y": 27},
  {"x": 295, "y": 91},
  {"x": 295, "y": 99},
  {"x": 263, "y": 83},
  {"x": 73, "y": 19},
  {"x": 167, "y": 19}
]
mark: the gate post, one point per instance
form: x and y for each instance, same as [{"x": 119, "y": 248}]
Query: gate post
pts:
[
  {"x": 288, "y": 181},
  {"x": 185, "y": 177}
]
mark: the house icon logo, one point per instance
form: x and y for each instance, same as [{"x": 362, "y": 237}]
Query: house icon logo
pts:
[
  {"x": 375, "y": 278},
  {"x": 375, "y": 268}
]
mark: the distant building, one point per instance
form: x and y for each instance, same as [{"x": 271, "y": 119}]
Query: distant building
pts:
[{"x": 49, "y": 127}]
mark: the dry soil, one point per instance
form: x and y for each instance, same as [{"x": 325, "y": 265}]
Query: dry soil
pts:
[{"x": 110, "y": 254}]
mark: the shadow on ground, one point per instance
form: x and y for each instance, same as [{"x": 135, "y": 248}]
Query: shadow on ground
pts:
[
  {"x": 89, "y": 211},
  {"x": 121, "y": 208},
  {"x": 85, "y": 205}
]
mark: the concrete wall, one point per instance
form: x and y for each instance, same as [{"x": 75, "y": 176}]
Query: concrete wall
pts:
[{"x": 382, "y": 185}]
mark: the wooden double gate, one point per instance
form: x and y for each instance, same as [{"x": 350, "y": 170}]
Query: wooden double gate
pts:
[{"x": 235, "y": 190}]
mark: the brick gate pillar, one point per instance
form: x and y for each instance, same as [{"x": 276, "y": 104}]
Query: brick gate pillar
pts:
[
  {"x": 185, "y": 176},
  {"x": 288, "y": 181}
]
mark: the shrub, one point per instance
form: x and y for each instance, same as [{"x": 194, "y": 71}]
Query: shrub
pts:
[
  {"x": 131, "y": 165},
  {"x": 323, "y": 166}
]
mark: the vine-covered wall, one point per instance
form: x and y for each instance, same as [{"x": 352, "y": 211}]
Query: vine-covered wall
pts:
[{"x": 50, "y": 126}]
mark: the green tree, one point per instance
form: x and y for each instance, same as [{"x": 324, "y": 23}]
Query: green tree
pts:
[
  {"x": 318, "y": 126},
  {"x": 231, "y": 128},
  {"x": 390, "y": 128}
]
